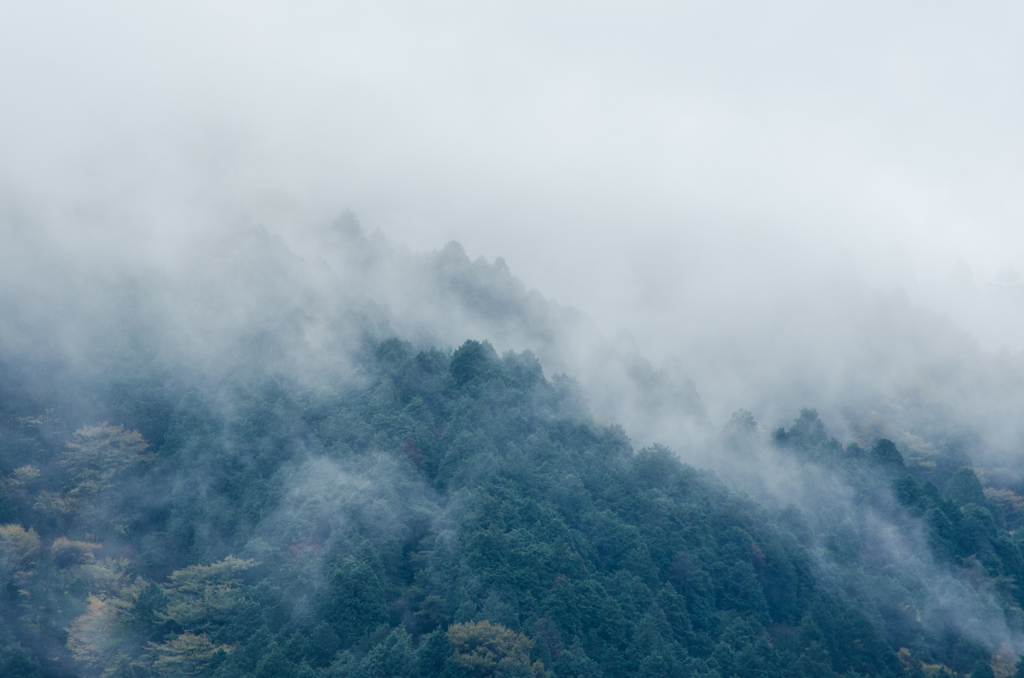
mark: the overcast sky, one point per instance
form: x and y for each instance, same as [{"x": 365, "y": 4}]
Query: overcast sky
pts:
[{"x": 659, "y": 165}]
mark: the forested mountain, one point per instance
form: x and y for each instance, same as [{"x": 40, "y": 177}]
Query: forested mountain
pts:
[{"x": 267, "y": 464}]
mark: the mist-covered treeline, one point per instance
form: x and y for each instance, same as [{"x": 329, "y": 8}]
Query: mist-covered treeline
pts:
[
  {"x": 280, "y": 531},
  {"x": 282, "y": 458}
]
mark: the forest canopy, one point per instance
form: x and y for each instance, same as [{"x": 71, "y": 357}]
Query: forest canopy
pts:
[{"x": 460, "y": 514}]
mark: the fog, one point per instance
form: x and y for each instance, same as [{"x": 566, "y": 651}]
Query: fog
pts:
[
  {"x": 795, "y": 206},
  {"x": 688, "y": 208}
]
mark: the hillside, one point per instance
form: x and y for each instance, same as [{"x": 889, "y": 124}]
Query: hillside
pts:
[{"x": 267, "y": 465}]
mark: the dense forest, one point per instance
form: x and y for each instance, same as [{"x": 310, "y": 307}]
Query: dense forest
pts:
[
  {"x": 455, "y": 514},
  {"x": 424, "y": 510}
]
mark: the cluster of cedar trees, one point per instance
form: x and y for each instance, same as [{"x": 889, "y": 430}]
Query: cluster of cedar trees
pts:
[{"x": 492, "y": 528}]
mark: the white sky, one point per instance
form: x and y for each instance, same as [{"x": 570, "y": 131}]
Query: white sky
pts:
[{"x": 658, "y": 165}]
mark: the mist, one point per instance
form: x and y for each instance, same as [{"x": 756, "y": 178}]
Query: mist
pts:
[
  {"x": 693, "y": 216},
  {"x": 735, "y": 188}
]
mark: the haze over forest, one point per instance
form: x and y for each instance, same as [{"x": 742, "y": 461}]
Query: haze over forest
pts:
[{"x": 349, "y": 339}]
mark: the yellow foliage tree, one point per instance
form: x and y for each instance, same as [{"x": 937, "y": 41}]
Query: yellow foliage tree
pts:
[
  {"x": 54, "y": 504},
  {"x": 89, "y": 637},
  {"x": 96, "y": 638},
  {"x": 486, "y": 650},
  {"x": 98, "y": 454},
  {"x": 20, "y": 480},
  {"x": 186, "y": 652},
  {"x": 96, "y": 459},
  {"x": 17, "y": 546},
  {"x": 206, "y": 593}
]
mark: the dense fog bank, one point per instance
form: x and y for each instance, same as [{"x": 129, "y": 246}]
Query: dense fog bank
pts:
[
  {"x": 873, "y": 363},
  {"x": 301, "y": 302}
]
